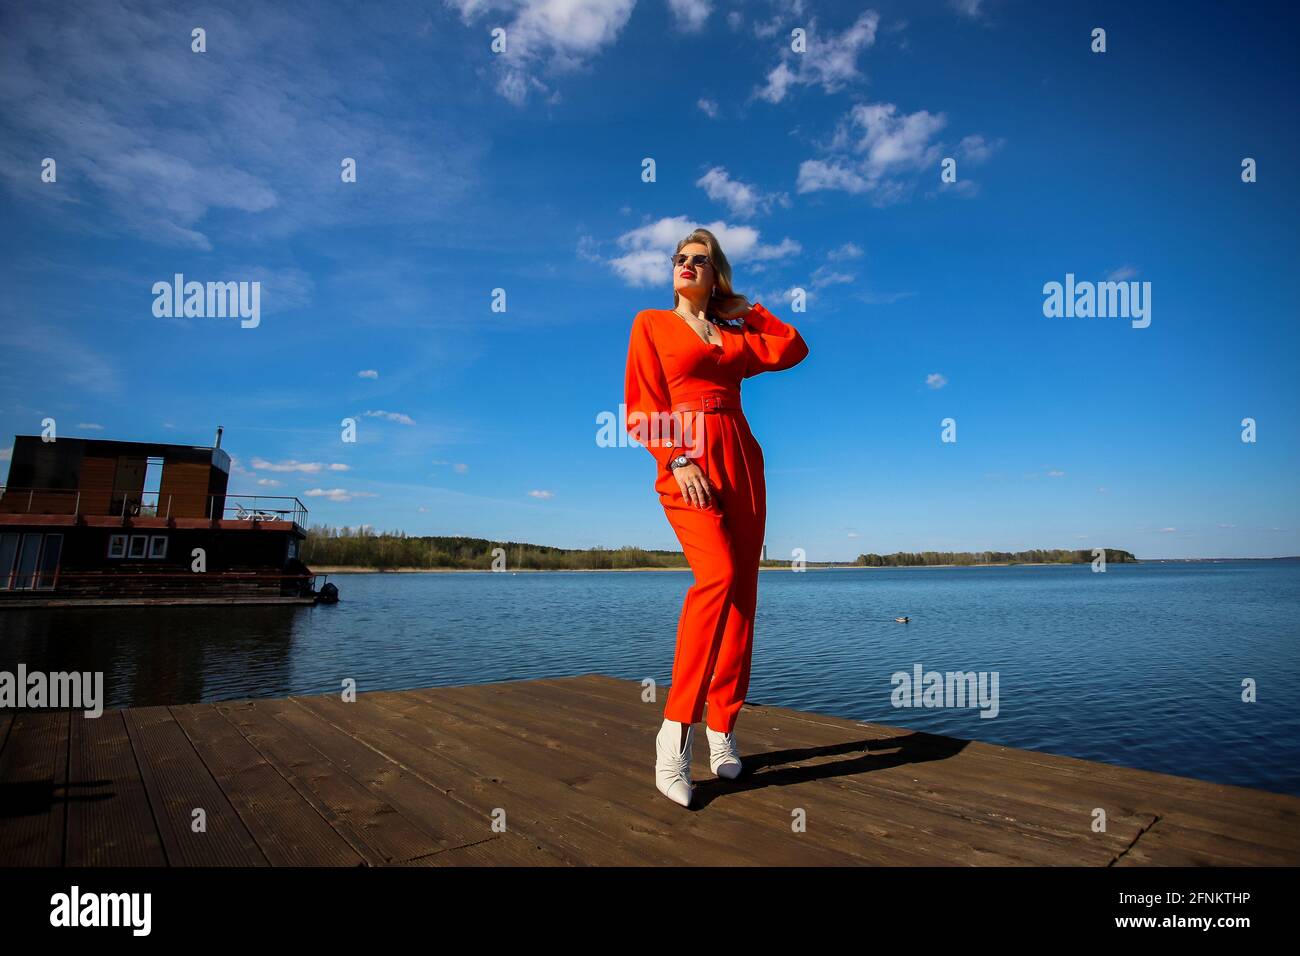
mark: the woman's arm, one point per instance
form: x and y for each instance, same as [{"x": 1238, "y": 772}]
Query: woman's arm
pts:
[
  {"x": 646, "y": 395},
  {"x": 770, "y": 344}
]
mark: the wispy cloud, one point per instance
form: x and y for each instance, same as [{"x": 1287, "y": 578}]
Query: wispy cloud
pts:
[
  {"x": 546, "y": 37},
  {"x": 741, "y": 199},
  {"x": 185, "y": 149},
  {"x": 304, "y": 467},
  {"x": 336, "y": 494},
  {"x": 400, "y": 417},
  {"x": 878, "y": 150},
  {"x": 690, "y": 15},
  {"x": 830, "y": 60}
]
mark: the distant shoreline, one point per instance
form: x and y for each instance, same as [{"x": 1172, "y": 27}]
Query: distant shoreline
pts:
[{"x": 817, "y": 567}]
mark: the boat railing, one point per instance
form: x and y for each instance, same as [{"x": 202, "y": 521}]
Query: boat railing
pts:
[{"x": 130, "y": 503}]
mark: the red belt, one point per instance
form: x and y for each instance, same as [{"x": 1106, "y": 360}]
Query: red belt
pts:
[{"x": 711, "y": 402}]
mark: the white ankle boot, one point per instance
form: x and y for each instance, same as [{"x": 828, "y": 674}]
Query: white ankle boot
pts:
[
  {"x": 673, "y": 766},
  {"x": 724, "y": 755}
]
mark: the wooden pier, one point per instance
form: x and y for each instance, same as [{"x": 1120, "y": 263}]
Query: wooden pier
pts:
[{"x": 419, "y": 777}]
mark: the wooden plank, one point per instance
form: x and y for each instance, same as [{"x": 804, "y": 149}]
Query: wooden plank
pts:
[
  {"x": 733, "y": 834},
  {"x": 929, "y": 760},
  {"x": 890, "y": 831},
  {"x": 1130, "y": 797},
  {"x": 412, "y": 778},
  {"x": 178, "y": 783},
  {"x": 33, "y": 782},
  {"x": 371, "y": 826},
  {"x": 351, "y": 743},
  {"x": 466, "y": 759},
  {"x": 1170, "y": 841},
  {"x": 501, "y": 849},
  {"x": 1238, "y": 811},
  {"x": 287, "y": 828},
  {"x": 110, "y": 819}
]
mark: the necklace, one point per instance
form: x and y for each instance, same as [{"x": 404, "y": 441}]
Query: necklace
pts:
[{"x": 708, "y": 328}]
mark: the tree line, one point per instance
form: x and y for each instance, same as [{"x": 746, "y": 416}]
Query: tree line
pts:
[
  {"x": 363, "y": 547},
  {"x": 1034, "y": 556}
]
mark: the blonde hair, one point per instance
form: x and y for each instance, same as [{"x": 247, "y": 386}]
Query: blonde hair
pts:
[{"x": 724, "y": 298}]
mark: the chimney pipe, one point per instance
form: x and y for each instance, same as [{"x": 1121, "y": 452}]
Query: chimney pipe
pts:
[{"x": 218, "y": 444}]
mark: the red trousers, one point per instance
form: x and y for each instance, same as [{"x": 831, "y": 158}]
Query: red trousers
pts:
[{"x": 723, "y": 544}]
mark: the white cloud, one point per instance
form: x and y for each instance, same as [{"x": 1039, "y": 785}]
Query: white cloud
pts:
[
  {"x": 399, "y": 417},
  {"x": 645, "y": 261},
  {"x": 976, "y": 149},
  {"x": 970, "y": 8},
  {"x": 824, "y": 275},
  {"x": 555, "y": 35},
  {"x": 689, "y": 15},
  {"x": 830, "y": 61},
  {"x": 336, "y": 494},
  {"x": 368, "y": 373},
  {"x": 815, "y": 175},
  {"x": 878, "y": 150},
  {"x": 188, "y": 149},
  {"x": 541, "y": 494},
  {"x": 1122, "y": 274},
  {"x": 742, "y": 199},
  {"x": 849, "y": 250},
  {"x": 709, "y": 107},
  {"x": 90, "y": 425},
  {"x": 269, "y": 482},
  {"x": 935, "y": 380},
  {"x": 304, "y": 467}
]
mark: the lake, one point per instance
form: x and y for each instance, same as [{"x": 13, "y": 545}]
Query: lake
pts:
[{"x": 1140, "y": 666}]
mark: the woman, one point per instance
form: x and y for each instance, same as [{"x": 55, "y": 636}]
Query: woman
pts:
[{"x": 684, "y": 368}]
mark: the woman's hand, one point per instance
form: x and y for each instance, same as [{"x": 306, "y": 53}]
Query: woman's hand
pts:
[
  {"x": 736, "y": 311},
  {"x": 694, "y": 484}
]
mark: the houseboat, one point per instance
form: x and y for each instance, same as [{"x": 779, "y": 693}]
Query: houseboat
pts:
[{"x": 89, "y": 522}]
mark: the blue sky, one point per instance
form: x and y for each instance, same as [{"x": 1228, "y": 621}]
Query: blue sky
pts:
[{"x": 819, "y": 170}]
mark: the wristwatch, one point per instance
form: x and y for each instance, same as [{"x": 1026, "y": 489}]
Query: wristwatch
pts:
[{"x": 679, "y": 461}]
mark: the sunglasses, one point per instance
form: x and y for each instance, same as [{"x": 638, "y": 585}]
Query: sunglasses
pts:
[{"x": 699, "y": 259}]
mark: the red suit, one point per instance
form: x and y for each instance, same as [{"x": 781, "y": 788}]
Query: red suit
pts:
[{"x": 674, "y": 376}]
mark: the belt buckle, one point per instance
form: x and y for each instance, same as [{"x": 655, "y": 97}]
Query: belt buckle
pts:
[{"x": 712, "y": 401}]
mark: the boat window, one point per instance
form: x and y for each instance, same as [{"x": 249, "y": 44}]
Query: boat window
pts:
[
  {"x": 117, "y": 546},
  {"x": 50, "y": 560},
  {"x": 8, "y": 551},
  {"x": 28, "y": 557},
  {"x": 139, "y": 542},
  {"x": 158, "y": 546}
]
